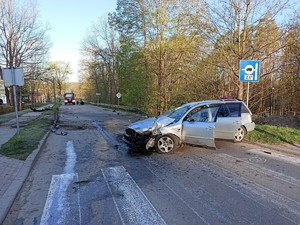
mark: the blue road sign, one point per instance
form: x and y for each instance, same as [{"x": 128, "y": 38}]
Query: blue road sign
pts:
[{"x": 249, "y": 70}]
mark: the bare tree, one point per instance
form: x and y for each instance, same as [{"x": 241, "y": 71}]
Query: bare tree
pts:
[
  {"x": 23, "y": 39},
  {"x": 245, "y": 29},
  {"x": 58, "y": 72},
  {"x": 100, "y": 48}
]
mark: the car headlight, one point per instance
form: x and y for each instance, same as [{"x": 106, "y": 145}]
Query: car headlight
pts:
[
  {"x": 156, "y": 132},
  {"x": 155, "y": 129}
]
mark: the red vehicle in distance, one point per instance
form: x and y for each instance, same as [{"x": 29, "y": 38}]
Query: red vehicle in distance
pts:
[{"x": 69, "y": 98}]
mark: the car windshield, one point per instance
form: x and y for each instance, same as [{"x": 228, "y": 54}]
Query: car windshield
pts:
[
  {"x": 68, "y": 95},
  {"x": 177, "y": 113}
]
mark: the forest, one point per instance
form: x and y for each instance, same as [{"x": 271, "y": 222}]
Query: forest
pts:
[{"x": 161, "y": 53}]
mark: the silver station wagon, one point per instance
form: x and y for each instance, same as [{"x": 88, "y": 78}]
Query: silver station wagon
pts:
[{"x": 195, "y": 123}]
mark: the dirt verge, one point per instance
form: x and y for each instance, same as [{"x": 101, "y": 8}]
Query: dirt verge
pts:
[{"x": 283, "y": 121}]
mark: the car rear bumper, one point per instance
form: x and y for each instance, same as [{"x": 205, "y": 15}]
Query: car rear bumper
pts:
[{"x": 250, "y": 126}]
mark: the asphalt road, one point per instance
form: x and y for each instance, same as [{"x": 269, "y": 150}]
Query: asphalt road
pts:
[{"x": 84, "y": 175}]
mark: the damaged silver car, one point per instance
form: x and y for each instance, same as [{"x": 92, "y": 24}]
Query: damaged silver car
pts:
[{"x": 195, "y": 123}]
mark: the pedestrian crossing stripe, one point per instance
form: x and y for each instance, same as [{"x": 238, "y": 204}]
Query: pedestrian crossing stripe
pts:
[{"x": 131, "y": 203}]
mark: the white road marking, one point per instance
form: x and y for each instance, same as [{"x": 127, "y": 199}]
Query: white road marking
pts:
[
  {"x": 71, "y": 158},
  {"x": 57, "y": 207},
  {"x": 132, "y": 204},
  {"x": 175, "y": 193}
]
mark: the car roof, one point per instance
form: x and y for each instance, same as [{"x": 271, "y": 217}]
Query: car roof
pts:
[{"x": 208, "y": 102}]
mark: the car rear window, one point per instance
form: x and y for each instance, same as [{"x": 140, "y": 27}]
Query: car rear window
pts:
[{"x": 245, "y": 109}]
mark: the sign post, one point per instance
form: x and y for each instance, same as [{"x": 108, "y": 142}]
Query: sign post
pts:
[
  {"x": 98, "y": 97},
  {"x": 249, "y": 72},
  {"x": 118, "y": 96},
  {"x": 14, "y": 77}
]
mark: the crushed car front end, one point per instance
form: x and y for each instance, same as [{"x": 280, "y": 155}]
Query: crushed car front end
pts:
[
  {"x": 136, "y": 141},
  {"x": 140, "y": 136}
]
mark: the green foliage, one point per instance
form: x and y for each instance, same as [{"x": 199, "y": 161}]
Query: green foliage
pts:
[
  {"x": 274, "y": 135},
  {"x": 132, "y": 76}
]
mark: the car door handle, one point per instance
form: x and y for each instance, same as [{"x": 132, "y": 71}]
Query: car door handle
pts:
[
  {"x": 210, "y": 128},
  {"x": 237, "y": 122}
]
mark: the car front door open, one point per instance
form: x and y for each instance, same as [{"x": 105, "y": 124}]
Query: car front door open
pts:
[{"x": 198, "y": 129}]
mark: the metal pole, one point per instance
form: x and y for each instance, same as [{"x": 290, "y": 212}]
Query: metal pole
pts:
[
  {"x": 248, "y": 93},
  {"x": 15, "y": 99}
]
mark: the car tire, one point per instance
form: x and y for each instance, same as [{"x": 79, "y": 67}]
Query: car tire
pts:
[
  {"x": 166, "y": 143},
  {"x": 240, "y": 134}
]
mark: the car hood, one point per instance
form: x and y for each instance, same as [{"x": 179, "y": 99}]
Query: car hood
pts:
[{"x": 152, "y": 122}]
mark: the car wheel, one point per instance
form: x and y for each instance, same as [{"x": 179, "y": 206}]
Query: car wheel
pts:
[
  {"x": 166, "y": 143},
  {"x": 239, "y": 134}
]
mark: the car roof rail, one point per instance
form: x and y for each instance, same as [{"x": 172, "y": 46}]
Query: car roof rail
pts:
[{"x": 227, "y": 98}]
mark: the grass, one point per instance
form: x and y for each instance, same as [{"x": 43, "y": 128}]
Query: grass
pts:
[
  {"x": 268, "y": 134},
  {"x": 21, "y": 146}
]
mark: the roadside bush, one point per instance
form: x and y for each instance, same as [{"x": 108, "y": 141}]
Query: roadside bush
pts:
[{"x": 6, "y": 109}]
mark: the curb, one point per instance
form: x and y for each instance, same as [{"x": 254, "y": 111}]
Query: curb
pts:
[{"x": 15, "y": 187}]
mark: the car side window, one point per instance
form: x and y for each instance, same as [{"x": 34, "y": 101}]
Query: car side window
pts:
[
  {"x": 235, "y": 109},
  {"x": 205, "y": 115},
  {"x": 230, "y": 110},
  {"x": 223, "y": 111},
  {"x": 192, "y": 112}
]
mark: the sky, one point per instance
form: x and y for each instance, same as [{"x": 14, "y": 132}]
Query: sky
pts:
[{"x": 69, "y": 21}]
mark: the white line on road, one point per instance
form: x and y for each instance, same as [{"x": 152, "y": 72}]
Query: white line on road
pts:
[
  {"x": 71, "y": 158},
  {"x": 132, "y": 204},
  {"x": 57, "y": 206}
]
